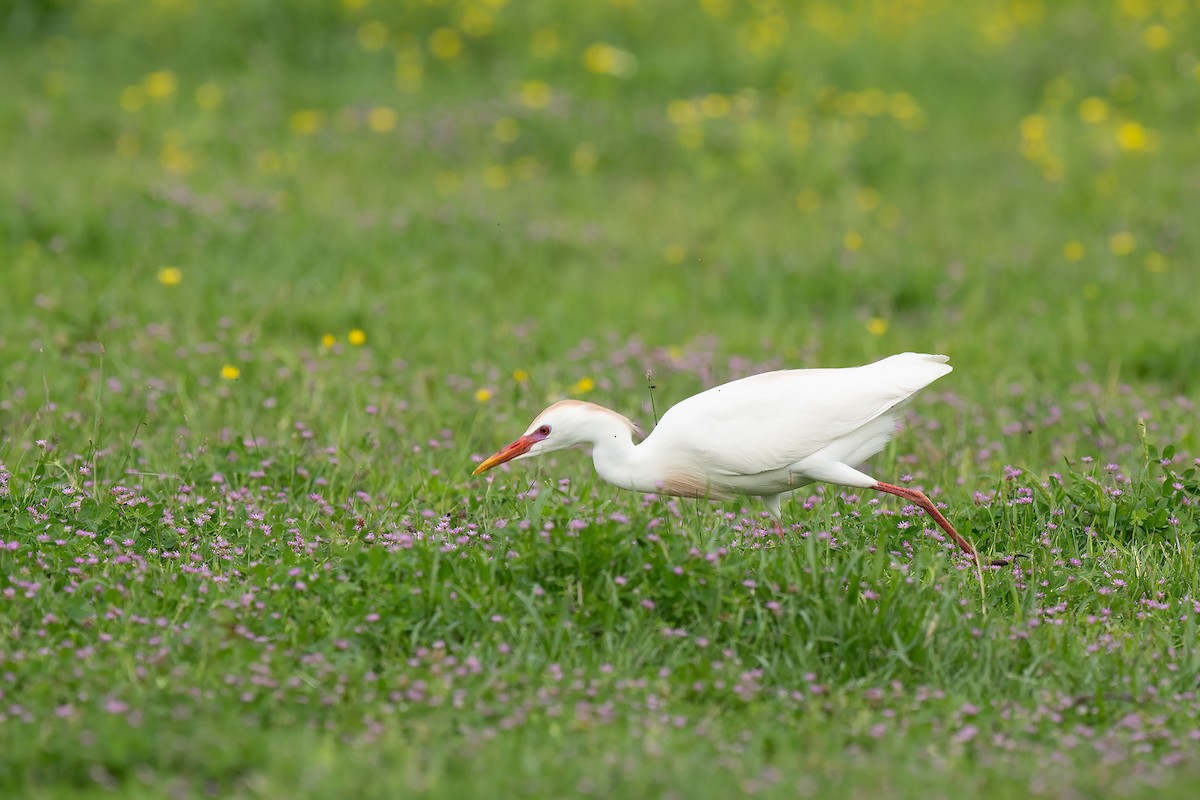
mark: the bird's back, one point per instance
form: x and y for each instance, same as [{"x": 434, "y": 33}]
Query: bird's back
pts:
[{"x": 769, "y": 421}]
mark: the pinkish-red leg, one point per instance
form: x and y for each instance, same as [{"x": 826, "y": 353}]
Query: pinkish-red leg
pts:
[{"x": 919, "y": 499}]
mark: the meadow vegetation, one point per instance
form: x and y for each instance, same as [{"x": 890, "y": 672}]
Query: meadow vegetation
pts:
[{"x": 274, "y": 276}]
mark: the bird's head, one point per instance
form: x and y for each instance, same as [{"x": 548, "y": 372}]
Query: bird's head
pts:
[{"x": 565, "y": 424}]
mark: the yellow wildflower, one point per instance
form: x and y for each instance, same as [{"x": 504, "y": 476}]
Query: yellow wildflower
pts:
[
  {"x": 715, "y": 106},
  {"x": 998, "y": 29},
  {"x": 1155, "y": 262},
  {"x": 853, "y": 240},
  {"x": 520, "y": 375},
  {"x": 584, "y": 159},
  {"x": 674, "y": 254},
  {"x": 409, "y": 70},
  {"x": 174, "y": 158},
  {"x": 357, "y": 337},
  {"x": 799, "y": 132},
  {"x": 604, "y": 59},
  {"x": 495, "y": 176},
  {"x": 536, "y": 94},
  {"x": 170, "y": 276},
  {"x": 305, "y": 122},
  {"x": 1133, "y": 136},
  {"x": 477, "y": 22},
  {"x": 1135, "y": 9},
  {"x": 328, "y": 341},
  {"x": 381, "y": 119},
  {"x": 877, "y": 326},
  {"x": 1157, "y": 37},
  {"x": 1122, "y": 243},
  {"x": 1033, "y": 127},
  {"x": 230, "y": 373},
  {"x": 904, "y": 107},
  {"x": 1073, "y": 250},
  {"x": 1093, "y": 110},
  {"x": 483, "y": 395},
  {"x": 681, "y": 112},
  {"x": 583, "y": 386},
  {"x": 445, "y": 43},
  {"x": 767, "y": 33},
  {"x": 160, "y": 84}
]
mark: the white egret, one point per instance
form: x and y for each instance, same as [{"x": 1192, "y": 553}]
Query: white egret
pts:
[{"x": 765, "y": 435}]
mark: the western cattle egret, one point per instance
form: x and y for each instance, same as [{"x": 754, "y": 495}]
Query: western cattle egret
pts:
[{"x": 765, "y": 435}]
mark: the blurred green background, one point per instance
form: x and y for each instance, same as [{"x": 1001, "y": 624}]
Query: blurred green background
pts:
[
  {"x": 286, "y": 266},
  {"x": 1013, "y": 182}
]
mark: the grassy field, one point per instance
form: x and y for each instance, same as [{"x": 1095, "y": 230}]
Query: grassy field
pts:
[{"x": 275, "y": 276}]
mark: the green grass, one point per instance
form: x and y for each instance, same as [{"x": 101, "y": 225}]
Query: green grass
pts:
[{"x": 288, "y": 583}]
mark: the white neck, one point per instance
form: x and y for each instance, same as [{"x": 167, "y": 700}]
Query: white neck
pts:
[{"x": 617, "y": 459}]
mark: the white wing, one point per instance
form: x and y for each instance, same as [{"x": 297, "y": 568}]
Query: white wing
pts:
[{"x": 770, "y": 421}]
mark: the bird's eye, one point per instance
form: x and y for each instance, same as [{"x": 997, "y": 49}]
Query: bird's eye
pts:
[{"x": 544, "y": 430}]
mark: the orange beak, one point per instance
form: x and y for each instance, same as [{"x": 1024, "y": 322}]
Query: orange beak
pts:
[{"x": 515, "y": 449}]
